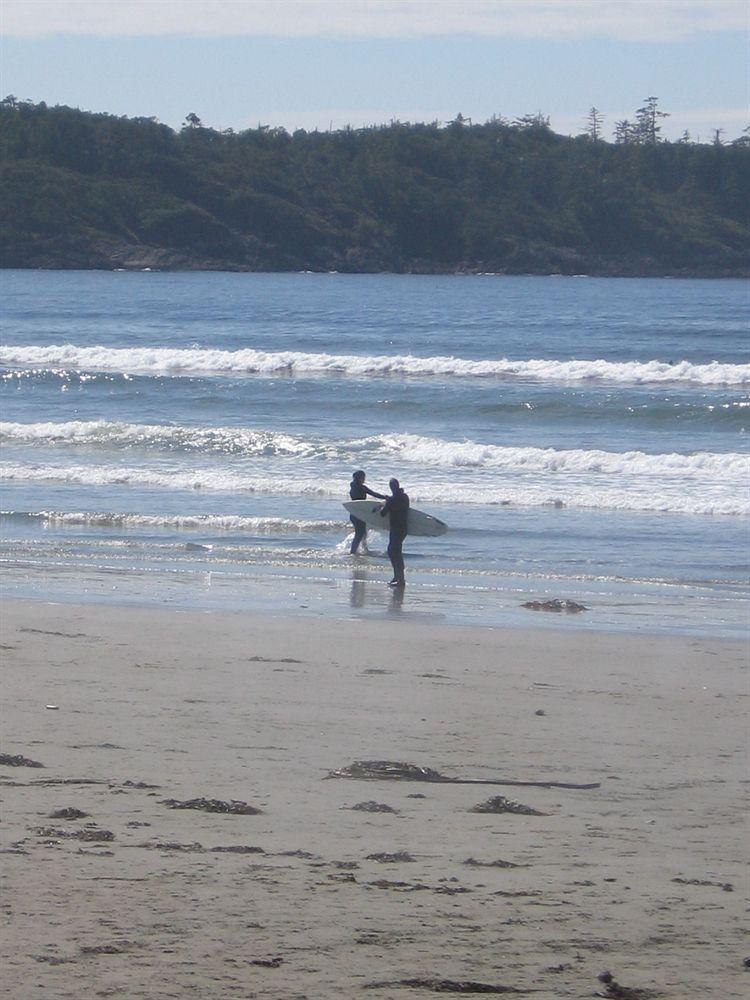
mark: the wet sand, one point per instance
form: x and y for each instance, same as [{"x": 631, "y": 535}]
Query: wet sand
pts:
[{"x": 380, "y": 888}]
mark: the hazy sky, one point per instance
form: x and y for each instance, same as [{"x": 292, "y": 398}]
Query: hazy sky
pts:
[{"x": 324, "y": 63}]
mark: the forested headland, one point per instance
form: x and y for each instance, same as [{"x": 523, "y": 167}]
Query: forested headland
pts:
[{"x": 83, "y": 190}]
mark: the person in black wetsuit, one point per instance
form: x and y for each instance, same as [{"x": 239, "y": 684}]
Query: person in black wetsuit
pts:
[
  {"x": 358, "y": 491},
  {"x": 397, "y": 505}
]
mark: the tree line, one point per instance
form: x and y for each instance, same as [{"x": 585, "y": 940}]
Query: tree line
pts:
[{"x": 79, "y": 189}]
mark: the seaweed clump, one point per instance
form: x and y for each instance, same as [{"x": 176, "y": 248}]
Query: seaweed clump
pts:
[
  {"x": 235, "y": 807},
  {"x": 499, "y": 804}
]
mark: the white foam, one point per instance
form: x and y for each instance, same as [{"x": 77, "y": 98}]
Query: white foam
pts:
[
  {"x": 470, "y": 454},
  {"x": 227, "y": 440},
  {"x": 215, "y": 522},
  {"x": 202, "y": 361},
  {"x": 199, "y": 479},
  {"x": 714, "y": 494},
  {"x": 411, "y": 448}
]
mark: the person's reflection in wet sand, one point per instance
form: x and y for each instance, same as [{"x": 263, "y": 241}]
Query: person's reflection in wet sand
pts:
[
  {"x": 357, "y": 592},
  {"x": 396, "y": 601}
]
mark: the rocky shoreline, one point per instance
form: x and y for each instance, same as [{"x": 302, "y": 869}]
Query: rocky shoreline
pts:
[{"x": 78, "y": 253}]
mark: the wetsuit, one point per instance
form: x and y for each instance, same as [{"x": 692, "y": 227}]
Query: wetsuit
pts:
[
  {"x": 358, "y": 491},
  {"x": 397, "y": 506}
]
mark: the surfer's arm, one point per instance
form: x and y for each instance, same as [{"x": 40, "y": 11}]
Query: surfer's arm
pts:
[
  {"x": 372, "y": 493},
  {"x": 386, "y": 507}
]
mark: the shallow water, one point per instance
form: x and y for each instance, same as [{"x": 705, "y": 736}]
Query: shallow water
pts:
[{"x": 189, "y": 438}]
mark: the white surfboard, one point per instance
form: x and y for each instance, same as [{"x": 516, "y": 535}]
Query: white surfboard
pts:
[{"x": 419, "y": 523}]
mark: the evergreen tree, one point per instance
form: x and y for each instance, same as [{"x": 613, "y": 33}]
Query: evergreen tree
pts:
[
  {"x": 625, "y": 132},
  {"x": 594, "y": 122},
  {"x": 647, "y": 127},
  {"x": 97, "y": 190}
]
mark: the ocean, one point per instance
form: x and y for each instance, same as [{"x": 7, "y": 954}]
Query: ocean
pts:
[{"x": 188, "y": 440}]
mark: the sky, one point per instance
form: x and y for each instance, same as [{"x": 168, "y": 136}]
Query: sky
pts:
[{"x": 331, "y": 63}]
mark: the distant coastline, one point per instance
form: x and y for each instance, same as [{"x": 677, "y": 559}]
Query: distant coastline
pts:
[
  {"x": 97, "y": 192},
  {"x": 162, "y": 262}
]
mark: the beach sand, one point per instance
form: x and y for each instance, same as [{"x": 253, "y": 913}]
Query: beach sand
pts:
[{"x": 642, "y": 876}]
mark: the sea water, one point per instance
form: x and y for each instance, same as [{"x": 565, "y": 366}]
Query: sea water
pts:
[{"x": 189, "y": 439}]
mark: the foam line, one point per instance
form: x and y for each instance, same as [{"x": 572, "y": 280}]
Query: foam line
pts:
[{"x": 201, "y": 361}]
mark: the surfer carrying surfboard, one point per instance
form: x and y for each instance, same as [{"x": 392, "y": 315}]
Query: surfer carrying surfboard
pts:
[
  {"x": 397, "y": 505},
  {"x": 358, "y": 491}
]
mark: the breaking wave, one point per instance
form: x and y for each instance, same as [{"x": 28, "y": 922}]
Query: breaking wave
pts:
[
  {"x": 470, "y": 454},
  {"x": 216, "y": 522},
  {"x": 410, "y": 448},
  {"x": 201, "y": 361},
  {"x": 709, "y": 494},
  {"x": 225, "y": 440}
]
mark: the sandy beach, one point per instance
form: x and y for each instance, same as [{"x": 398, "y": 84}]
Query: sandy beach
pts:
[{"x": 379, "y": 887}]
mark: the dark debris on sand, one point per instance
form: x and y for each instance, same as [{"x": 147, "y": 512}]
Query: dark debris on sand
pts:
[
  {"x": 499, "y": 804},
  {"x": 725, "y": 886},
  {"x": 170, "y": 845},
  {"x": 387, "y": 859},
  {"x": 394, "y": 770},
  {"x": 107, "y": 949},
  {"x": 16, "y": 760},
  {"x": 398, "y": 886},
  {"x": 271, "y": 659},
  {"x": 446, "y": 986},
  {"x": 197, "y": 848},
  {"x": 93, "y": 835},
  {"x": 385, "y": 883},
  {"x": 87, "y": 833},
  {"x": 62, "y": 635},
  {"x": 374, "y": 807},
  {"x": 235, "y": 807},
  {"x": 70, "y": 812},
  {"x": 237, "y": 849},
  {"x": 473, "y": 863},
  {"x": 616, "y": 991},
  {"x": 68, "y": 781}
]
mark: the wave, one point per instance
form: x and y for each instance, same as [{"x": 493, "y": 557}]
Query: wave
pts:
[
  {"x": 202, "y": 522},
  {"x": 199, "y": 479},
  {"x": 470, "y": 454},
  {"x": 658, "y": 409},
  {"x": 410, "y": 448},
  {"x": 714, "y": 494},
  {"x": 202, "y": 361},
  {"x": 225, "y": 440}
]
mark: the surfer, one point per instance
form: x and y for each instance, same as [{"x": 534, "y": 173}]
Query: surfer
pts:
[
  {"x": 397, "y": 505},
  {"x": 358, "y": 491}
]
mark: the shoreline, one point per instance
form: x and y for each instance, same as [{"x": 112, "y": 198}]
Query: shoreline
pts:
[
  {"x": 642, "y": 876},
  {"x": 150, "y": 264},
  {"x": 360, "y": 594}
]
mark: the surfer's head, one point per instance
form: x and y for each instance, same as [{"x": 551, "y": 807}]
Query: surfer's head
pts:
[
  {"x": 394, "y": 485},
  {"x": 358, "y": 476}
]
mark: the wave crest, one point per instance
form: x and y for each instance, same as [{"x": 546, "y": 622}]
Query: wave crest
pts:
[
  {"x": 227, "y": 440},
  {"x": 215, "y": 522},
  {"x": 203, "y": 361},
  {"x": 413, "y": 449},
  {"x": 710, "y": 495}
]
